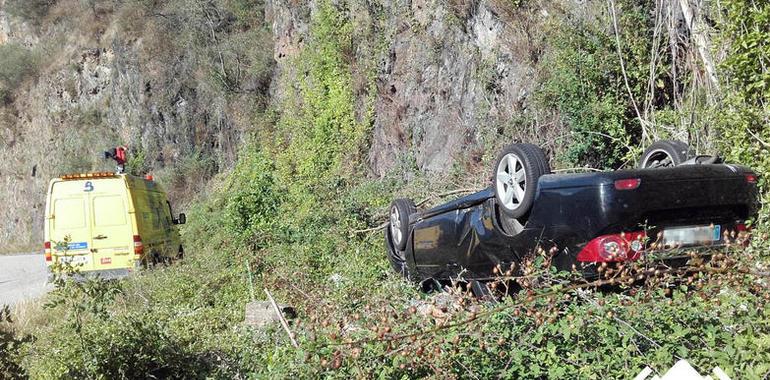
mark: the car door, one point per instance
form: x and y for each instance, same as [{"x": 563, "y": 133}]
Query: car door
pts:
[
  {"x": 69, "y": 224},
  {"x": 111, "y": 228}
]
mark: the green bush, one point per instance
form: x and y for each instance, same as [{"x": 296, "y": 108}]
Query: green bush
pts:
[
  {"x": 10, "y": 348},
  {"x": 253, "y": 200},
  {"x": 583, "y": 83},
  {"x": 742, "y": 117}
]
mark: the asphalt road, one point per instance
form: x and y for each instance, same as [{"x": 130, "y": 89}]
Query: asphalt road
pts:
[{"x": 22, "y": 277}]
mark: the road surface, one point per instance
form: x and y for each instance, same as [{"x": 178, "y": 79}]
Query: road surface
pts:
[{"x": 22, "y": 277}]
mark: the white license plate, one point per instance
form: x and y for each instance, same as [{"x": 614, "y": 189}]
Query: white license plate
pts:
[
  {"x": 74, "y": 260},
  {"x": 691, "y": 235}
]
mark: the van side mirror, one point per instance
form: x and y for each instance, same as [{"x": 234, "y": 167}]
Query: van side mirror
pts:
[{"x": 181, "y": 220}]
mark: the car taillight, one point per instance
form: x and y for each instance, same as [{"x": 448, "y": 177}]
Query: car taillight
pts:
[
  {"x": 47, "y": 251},
  {"x": 751, "y": 178},
  {"x": 627, "y": 184},
  {"x": 138, "y": 245},
  {"x": 615, "y": 247}
]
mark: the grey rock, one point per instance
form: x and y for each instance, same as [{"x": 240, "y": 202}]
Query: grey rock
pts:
[{"x": 261, "y": 313}]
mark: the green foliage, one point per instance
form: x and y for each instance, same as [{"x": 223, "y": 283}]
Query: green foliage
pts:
[
  {"x": 253, "y": 200},
  {"x": 182, "y": 177},
  {"x": 10, "y": 348},
  {"x": 16, "y": 64},
  {"x": 320, "y": 127},
  {"x": 741, "y": 119},
  {"x": 746, "y": 27},
  {"x": 584, "y": 83},
  {"x": 89, "y": 119},
  {"x": 133, "y": 329},
  {"x": 136, "y": 163}
]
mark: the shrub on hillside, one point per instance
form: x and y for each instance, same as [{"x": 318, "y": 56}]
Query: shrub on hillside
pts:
[
  {"x": 253, "y": 201},
  {"x": 742, "y": 119},
  {"x": 10, "y": 366},
  {"x": 16, "y": 63},
  {"x": 584, "y": 84}
]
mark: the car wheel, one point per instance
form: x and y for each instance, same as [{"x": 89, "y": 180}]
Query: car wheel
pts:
[
  {"x": 400, "y": 210},
  {"x": 515, "y": 175},
  {"x": 665, "y": 154}
]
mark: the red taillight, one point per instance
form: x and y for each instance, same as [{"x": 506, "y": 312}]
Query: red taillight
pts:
[
  {"x": 616, "y": 247},
  {"x": 751, "y": 178},
  {"x": 627, "y": 184},
  {"x": 138, "y": 245},
  {"x": 47, "y": 252}
]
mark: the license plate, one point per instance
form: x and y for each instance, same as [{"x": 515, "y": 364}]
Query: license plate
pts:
[
  {"x": 691, "y": 235},
  {"x": 74, "y": 260}
]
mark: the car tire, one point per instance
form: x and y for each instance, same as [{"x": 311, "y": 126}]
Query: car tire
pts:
[
  {"x": 398, "y": 227},
  {"x": 514, "y": 176},
  {"x": 665, "y": 154}
]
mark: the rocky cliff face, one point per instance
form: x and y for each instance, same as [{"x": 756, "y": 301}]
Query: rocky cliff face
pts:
[
  {"x": 448, "y": 74},
  {"x": 97, "y": 88},
  {"x": 444, "y": 80},
  {"x": 14, "y": 30}
]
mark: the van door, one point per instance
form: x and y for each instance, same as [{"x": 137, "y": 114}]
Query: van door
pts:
[
  {"x": 69, "y": 226},
  {"x": 111, "y": 228}
]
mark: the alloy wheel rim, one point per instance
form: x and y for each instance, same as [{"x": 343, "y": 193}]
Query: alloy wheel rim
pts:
[
  {"x": 658, "y": 158},
  {"x": 511, "y": 181},
  {"x": 395, "y": 225}
]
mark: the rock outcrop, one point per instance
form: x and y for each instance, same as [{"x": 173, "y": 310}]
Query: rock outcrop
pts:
[
  {"x": 452, "y": 73},
  {"x": 449, "y": 77}
]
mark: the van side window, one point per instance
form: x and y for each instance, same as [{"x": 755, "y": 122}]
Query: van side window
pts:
[
  {"x": 109, "y": 210},
  {"x": 69, "y": 213}
]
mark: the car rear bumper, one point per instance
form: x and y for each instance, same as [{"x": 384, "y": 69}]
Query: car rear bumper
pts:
[{"x": 668, "y": 259}]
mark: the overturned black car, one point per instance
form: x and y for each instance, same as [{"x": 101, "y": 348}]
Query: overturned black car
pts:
[{"x": 673, "y": 201}]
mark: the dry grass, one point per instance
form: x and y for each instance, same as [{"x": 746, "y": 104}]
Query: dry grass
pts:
[
  {"x": 28, "y": 315},
  {"x": 22, "y": 248}
]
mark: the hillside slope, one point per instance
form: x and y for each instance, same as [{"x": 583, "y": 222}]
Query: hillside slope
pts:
[
  {"x": 339, "y": 107},
  {"x": 78, "y": 80}
]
